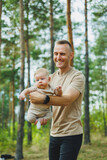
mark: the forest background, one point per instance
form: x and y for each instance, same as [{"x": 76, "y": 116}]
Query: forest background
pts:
[{"x": 28, "y": 31}]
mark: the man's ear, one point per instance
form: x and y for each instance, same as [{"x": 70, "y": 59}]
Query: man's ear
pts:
[
  {"x": 72, "y": 55},
  {"x": 49, "y": 78},
  {"x": 71, "y": 58}
]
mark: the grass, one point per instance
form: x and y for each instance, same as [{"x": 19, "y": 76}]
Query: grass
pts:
[
  {"x": 36, "y": 153},
  {"x": 97, "y": 150}
]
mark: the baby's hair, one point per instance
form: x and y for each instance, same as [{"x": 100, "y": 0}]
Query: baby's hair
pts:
[{"x": 44, "y": 70}]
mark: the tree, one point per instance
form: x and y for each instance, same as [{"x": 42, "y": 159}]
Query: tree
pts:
[
  {"x": 19, "y": 146},
  {"x": 13, "y": 94},
  {"x": 69, "y": 26},
  {"x": 0, "y": 29},
  {"x": 0, "y": 32},
  {"x": 86, "y": 122},
  {"x": 0, "y": 46},
  {"x": 51, "y": 35},
  {"x": 28, "y": 63}
]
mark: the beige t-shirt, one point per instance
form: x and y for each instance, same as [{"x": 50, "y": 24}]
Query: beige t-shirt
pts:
[{"x": 66, "y": 120}]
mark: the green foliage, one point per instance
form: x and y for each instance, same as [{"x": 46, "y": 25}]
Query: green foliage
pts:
[
  {"x": 98, "y": 70},
  {"x": 99, "y": 13},
  {"x": 100, "y": 9},
  {"x": 35, "y": 53},
  {"x": 59, "y": 23},
  {"x": 96, "y": 120},
  {"x": 11, "y": 4},
  {"x": 7, "y": 144},
  {"x": 79, "y": 59},
  {"x": 38, "y": 135}
]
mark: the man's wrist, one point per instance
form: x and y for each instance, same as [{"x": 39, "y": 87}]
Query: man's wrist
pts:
[{"x": 47, "y": 99}]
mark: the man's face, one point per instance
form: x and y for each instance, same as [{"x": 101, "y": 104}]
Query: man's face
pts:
[
  {"x": 41, "y": 80},
  {"x": 62, "y": 56}
]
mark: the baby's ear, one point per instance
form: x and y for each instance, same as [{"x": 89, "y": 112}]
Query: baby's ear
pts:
[{"x": 49, "y": 78}]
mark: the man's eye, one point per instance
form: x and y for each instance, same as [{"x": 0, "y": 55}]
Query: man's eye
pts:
[
  {"x": 62, "y": 54},
  {"x": 55, "y": 54}
]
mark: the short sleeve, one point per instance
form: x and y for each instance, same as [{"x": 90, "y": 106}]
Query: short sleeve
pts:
[{"x": 78, "y": 82}]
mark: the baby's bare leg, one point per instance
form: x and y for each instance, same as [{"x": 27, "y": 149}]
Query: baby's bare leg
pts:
[
  {"x": 31, "y": 117},
  {"x": 48, "y": 115}
]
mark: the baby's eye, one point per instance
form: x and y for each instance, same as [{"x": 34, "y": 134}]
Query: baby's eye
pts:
[
  {"x": 42, "y": 78},
  {"x": 37, "y": 80}
]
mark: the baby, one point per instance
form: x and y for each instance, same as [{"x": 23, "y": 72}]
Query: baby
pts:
[{"x": 37, "y": 111}]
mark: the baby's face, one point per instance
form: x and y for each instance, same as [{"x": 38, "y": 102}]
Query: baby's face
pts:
[{"x": 41, "y": 80}]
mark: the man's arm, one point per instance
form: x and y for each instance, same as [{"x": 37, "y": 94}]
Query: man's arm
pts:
[{"x": 67, "y": 98}]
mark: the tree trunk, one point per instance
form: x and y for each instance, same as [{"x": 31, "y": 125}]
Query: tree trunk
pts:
[
  {"x": 13, "y": 99},
  {"x": 69, "y": 26},
  {"x": 103, "y": 99},
  {"x": 0, "y": 47},
  {"x": 0, "y": 33},
  {"x": 105, "y": 109},
  {"x": 29, "y": 131},
  {"x": 2, "y": 109},
  {"x": 86, "y": 123},
  {"x": 10, "y": 111},
  {"x": 28, "y": 103},
  {"x": 104, "y": 119},
  {"x": 28, "y": 62},
  {"x": 51, "y": 35},
  {"x": 19, "y": 146}
]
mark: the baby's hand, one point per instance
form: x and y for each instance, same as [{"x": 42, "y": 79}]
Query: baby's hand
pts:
[
  {"x": 21, "y": 96},
  {"x": 58, "y": 91}
]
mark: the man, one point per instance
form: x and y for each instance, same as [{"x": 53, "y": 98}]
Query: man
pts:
[{"x": 66, "y": 130}]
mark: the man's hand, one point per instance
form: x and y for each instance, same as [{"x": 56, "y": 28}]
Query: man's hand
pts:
[
  {"x": 36, "y": 97},
  {"x": 42, "y": 121}
]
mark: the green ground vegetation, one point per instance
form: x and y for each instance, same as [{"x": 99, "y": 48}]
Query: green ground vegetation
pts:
[{"x": 38, "y": 150}]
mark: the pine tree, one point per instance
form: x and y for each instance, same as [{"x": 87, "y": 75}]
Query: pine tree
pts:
[
  {"x": 69, "y": 26},
  {"x": 29, "y": 133},
  {"x": 86, "y": 122},
  {"x": 20, "y": 134},
  {"x": 52, "y": 35}
]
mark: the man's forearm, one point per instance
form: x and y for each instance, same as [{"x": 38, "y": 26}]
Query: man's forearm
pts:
[
  {"x": 67, "y": 98},
  {"x": 59, "y": 100},
  {"x": 63, "y": 100}
]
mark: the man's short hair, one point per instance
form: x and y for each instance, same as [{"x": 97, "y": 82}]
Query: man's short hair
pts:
[
  {"x": 43, "y": 70},
  {"x": 64, "y": 42}
]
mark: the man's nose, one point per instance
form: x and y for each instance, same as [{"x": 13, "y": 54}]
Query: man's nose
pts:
[{"x": 59, "y": 56}]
